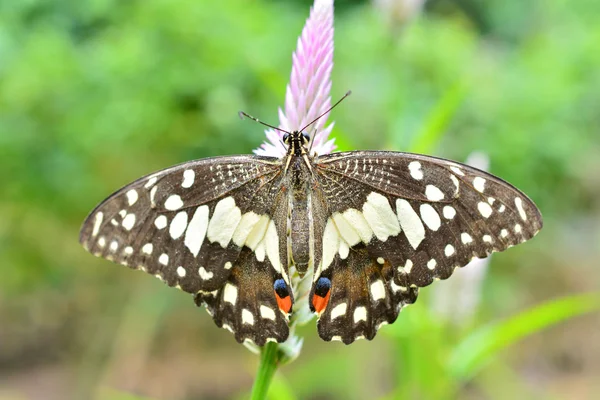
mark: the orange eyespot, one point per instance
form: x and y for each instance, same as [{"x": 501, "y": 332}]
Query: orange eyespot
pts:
[
  {"x": 320, "y": 303},
  {"x": 282, "y": 295},
  {"x": 321, "y": 295},
  {"x": 284, "y": 304}
]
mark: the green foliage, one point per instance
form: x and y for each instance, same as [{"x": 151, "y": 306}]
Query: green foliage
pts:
[
  {"x": 96, "y": 93},
  {"x": 482, "y": 345}
]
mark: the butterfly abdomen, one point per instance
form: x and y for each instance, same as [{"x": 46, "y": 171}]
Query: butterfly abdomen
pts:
[{"x": 300, "y": 221}]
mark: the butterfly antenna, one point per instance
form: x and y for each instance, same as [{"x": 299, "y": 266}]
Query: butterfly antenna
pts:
[
  {"x": 312, "y": 140},
  {"x": 243, "y": 114},
  {"x": 348, "y": 93}
]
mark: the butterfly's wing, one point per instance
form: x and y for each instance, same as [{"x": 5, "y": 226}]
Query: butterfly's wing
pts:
[
  {"x": 215, "y": 228},
  {"x": 393, "y": 222}
]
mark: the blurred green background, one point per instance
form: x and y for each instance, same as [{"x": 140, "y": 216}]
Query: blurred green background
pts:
[{"x": 95, "y": 93}]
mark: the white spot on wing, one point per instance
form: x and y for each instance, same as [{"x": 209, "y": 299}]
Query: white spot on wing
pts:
[
  {"x": 178, "y": 225},
  {"x": 257, "y": 233},
  {"x": 188, "y": 178},
  {"x": 244, "y": 228},
  {"x": 267, "y": 313},
  {"x": 196, "y": 230},
  {"x": 247, "y": 317},
  {"x": 484, "y": 209},
  {"x": 433, "y": 193},
  {"x": 377, "y": 290},
  {"x": 454, "y": 180},
  {"x": 344, "y": 249},
  {"x": 408, "y": 266},
  {"x": 380, "y": 216},
  {"x": 449, "y": 212},
  {"x": 338, "y": 311},
  {"x": 430, "y": 217},
  {"x": 431, "y": 264},
  {"x": 466, "y": 238},
  {"x": 360, "y": 314},
  {"x": 449, "y": 250},
  {"x": 147, "y": 248},
  {"x": 457, "y": 171},
  {"x": 358, "y": 222},
  {"x": 173, "y": 202},
  {"x": 224, "y": 221},
  {"x": 230, "y": 293},
  {"x": 479, "y": 184},
  {"x": 415, "y": 170},
  {"x": 346, "y": 231},
  {"x": 128, "y": 221},
  {"x": 331, "y": 243},
  {"x": 410, "y": 222},
  {"x": 396, "y": 288},
  {"x": 272, "y": 246},
  {"x": 519, "y": 204},
  {"x": 204, "y": 274},
  {"x": 163, "y": 259},
  {"x": 260, "y": 251},
  {"x": 132, "y": 197},
  {"x": 97, "y": 222},
  {"x": 160, "y": 222},
  {"x": 181, "y": 272},
  {"x": 152, "y": 195},
  {"x": 151, "y": 182}
]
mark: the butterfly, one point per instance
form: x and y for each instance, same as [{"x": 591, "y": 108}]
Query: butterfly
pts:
[{"x": 371, "y": 226}]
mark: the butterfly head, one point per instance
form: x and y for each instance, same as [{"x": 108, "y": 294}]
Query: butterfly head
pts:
[{"x": 297, "y": 142}]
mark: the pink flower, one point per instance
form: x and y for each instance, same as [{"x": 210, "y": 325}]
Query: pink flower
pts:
[{"x": 307, "y": 95}]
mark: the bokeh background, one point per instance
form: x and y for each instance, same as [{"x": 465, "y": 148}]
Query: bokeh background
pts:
[{"x": 95, "y": 93}]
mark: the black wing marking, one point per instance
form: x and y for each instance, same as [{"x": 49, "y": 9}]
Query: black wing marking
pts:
[
  {"x": 423, "y": 215},
  {"x": 188, "y": 224}
]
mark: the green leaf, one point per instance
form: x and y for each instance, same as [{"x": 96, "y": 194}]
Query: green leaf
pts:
[
  {"x": 438, "y": 120},
  {"x": 482, "y": 345}
]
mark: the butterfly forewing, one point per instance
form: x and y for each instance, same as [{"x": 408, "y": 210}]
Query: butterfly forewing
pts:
[
  {"x": 208, "y": 227},
  {"x": 421, "y": 216}
]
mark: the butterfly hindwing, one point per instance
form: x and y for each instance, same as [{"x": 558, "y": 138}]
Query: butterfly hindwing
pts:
[
  {"x": 361, "y": 296},
  {"x": 246, "y": 304},
  {"x": 423, "y": 216},
  {"x": 197, "y": 226}
]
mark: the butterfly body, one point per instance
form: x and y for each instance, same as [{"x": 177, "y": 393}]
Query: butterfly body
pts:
[
  {"x": 300, "y": 182},
  {"x": 371, "y": 227}
]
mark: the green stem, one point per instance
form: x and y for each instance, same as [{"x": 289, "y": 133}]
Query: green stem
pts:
[{"x": 269, "y": 361}]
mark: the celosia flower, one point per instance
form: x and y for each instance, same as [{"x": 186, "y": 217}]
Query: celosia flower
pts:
[{"x": 307, "y": 96}]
